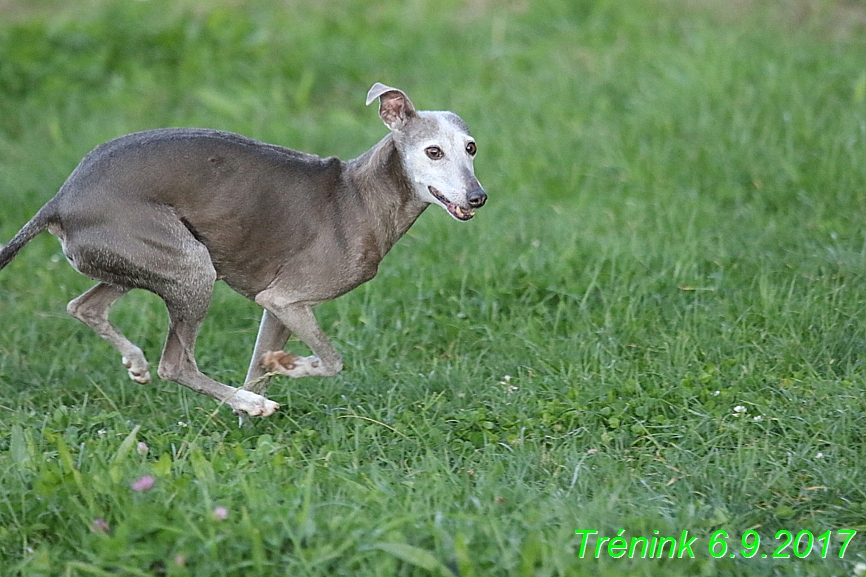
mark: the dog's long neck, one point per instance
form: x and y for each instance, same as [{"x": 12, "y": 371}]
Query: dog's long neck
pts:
[{"x": 380, "y": 181}]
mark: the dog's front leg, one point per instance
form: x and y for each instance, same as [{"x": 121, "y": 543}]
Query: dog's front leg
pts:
[
  {"x": 298, "y": 318},
  {"x": 272, "y": 337}
]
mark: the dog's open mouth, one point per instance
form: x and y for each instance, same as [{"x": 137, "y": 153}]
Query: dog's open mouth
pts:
[{"x": 453, "y": 209}]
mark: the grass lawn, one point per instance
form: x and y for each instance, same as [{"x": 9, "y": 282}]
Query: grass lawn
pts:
[{"x": 657, "y": 324}]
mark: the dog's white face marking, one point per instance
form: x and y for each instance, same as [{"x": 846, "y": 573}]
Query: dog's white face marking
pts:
[
  {"x": 437, "y": 152},
  {"x": 439, "y": 155}
]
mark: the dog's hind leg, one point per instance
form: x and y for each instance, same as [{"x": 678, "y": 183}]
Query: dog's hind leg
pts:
[
  {"x": 272, "y": 336},
  {"x": 92, "y": 308},
  {"x": 178, "y": 364},
  {"x": 187, "y": 297},
  {"x": 150, "y": 248}
]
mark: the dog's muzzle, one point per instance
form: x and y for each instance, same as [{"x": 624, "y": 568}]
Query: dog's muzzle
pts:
[{"x": 476, "y": 198}]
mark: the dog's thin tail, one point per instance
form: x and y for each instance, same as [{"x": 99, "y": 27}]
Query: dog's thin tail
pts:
[{"x": 39, "y": 223}]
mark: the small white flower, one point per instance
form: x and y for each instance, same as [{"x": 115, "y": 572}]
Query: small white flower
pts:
[
  {"x": 99, "y": 526},
  {"x": 142, "y": 448},
  {"x": 739, "y": 410},
  {"x": 758, "y": 418},
  {"x": 716, "y": 393},
  {"x": 182, "y": 424},
  {"x": 101, "y": 432},
  {"x": 220, "y": 513},
  {"x": 820, "y": 455}
]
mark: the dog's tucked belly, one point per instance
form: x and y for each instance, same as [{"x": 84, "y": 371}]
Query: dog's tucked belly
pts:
[{"x": 262, "y": 212}]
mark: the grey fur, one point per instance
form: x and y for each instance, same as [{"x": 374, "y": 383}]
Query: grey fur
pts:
[{"x": 173, "y": 210}]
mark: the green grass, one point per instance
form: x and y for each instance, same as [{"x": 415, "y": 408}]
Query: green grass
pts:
[{"x": 675, "y": 229}]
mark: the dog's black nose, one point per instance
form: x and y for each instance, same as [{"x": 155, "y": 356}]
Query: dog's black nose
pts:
[{"x": 476, "y": 198}]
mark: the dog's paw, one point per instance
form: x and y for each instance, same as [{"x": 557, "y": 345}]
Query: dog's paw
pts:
[
  {"x": 247, "y": 402},
  {"x": 279, "y": 362},
  {"x": 293, "y": 365},
  {"x": 137, "y": 369}
]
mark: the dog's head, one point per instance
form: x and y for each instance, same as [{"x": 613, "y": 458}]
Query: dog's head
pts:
[{"x": 437, "y": 152}]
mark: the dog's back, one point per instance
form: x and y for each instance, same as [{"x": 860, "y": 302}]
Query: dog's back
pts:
[{"x": 234, "y": 194}]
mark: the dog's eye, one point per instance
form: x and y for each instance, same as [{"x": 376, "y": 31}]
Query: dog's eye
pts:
[
  {"x": 471, "y": 149},
  {"x": 434, "y": 152}
]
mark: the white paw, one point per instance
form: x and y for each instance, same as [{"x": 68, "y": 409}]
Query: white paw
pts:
[
  {"x": 137, "y": 369},
  {"x": 293, "y": 365},
  {"x": 252, "y": 404}
]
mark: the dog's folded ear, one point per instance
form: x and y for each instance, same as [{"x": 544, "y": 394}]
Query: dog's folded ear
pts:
[{"x": 395, "y": 108}]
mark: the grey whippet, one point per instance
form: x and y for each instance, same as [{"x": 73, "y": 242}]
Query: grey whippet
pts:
[{"x": 174, "y": 210}]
